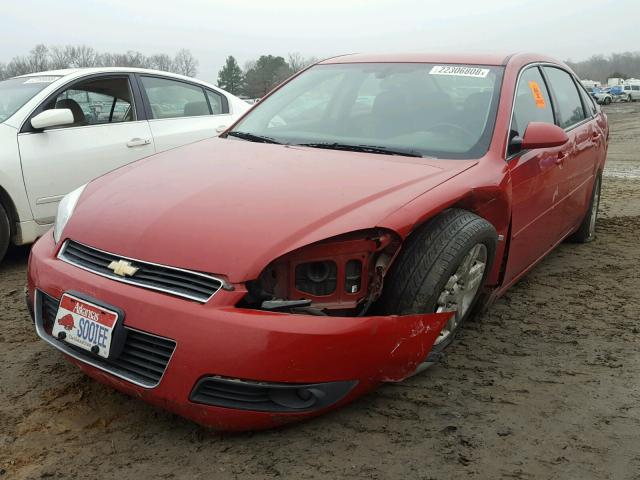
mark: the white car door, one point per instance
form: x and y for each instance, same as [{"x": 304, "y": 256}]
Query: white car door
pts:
[
  {"x": 105, "y": 135},
  {"x": 183, "y": 112}
]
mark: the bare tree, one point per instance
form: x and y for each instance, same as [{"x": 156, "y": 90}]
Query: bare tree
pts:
[
  {"x": 161, "y": 61},
  {"x": 185, "y": 63},
  {"x": 39, "y": 58},
  {"x": 3, "y": 71},
  {"x": 84, "y": 56},
  {"x": 60, "y": 57},
  {"x": 18, "y": 66},
  {"x": 297, "y": 62}
]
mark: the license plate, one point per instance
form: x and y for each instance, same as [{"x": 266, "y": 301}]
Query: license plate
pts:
[{"x": 85, "y": 325}]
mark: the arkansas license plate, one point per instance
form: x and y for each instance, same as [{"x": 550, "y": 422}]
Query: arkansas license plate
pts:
[{"x": 85, "y": 325}]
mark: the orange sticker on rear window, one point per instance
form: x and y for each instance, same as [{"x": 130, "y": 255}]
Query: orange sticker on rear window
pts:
[{"x": 537, "y": 94}]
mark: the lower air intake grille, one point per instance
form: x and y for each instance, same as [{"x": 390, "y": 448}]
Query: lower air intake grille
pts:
[
  {"x": 175, "y": 281},
  {"x": 268, "y": 397},
  {"x": 144, "y": 357}
]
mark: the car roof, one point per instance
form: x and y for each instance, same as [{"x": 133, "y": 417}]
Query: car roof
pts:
[
  {"x": 492, "y": 59},
  {"x": 75, "y": 71}
]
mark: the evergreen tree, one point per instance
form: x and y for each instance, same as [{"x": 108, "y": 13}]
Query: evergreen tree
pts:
[{"x": 230, "y": 77}]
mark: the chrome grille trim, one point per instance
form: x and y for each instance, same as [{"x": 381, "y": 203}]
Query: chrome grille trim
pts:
[{"x": 179, "y": 282}]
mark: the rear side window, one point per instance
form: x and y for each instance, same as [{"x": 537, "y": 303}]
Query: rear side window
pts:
[
  {"x": 587, "y": 99},
  {"x": 532, "y": 102},
  {"x": 174, "y": 99},
  {"x": 635, "y": 88},
  {"x": 216, "y": 102},
  {"x": 569, "y": 105}
]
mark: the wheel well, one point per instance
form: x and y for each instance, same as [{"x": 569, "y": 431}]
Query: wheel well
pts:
[
  {"x": 492, "y": 205},
  {"x": 10, "y": 208}
]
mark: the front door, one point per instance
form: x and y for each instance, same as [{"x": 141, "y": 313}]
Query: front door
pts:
[{"x": 105, "y": 135}]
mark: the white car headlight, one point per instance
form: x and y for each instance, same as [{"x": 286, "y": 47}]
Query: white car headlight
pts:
[{"x": 65, "y": 210}]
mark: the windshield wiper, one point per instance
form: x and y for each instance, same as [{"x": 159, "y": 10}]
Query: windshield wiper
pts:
[
  {"x": 363, "y": 148},
  {"x": 252, "y": 138}
]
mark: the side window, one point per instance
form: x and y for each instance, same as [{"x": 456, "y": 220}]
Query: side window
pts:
[
  {"x": 635, "y": 88},
  {"x": 97, "y": 101},
  {"x": 532, "y": 103},
  {"x": 569, "y": 107},
  {"x": 587, "y": 100},
  {"x": 174, "y": 99},
  {"x": 216, "y": 103}
]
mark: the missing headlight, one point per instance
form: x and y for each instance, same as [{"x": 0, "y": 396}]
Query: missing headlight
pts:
[{"x": 317, "y": 278}]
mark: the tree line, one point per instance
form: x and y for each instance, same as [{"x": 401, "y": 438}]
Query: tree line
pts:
[
  {"x": 42, "y": 58},
  {"x": 261, "y": 75},
  {"x": 600, "y": 67},
  {"x": 253, "y": 81}
]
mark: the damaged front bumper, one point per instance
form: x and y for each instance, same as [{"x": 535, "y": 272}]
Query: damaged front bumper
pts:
[{"x": 231, "y": 368}]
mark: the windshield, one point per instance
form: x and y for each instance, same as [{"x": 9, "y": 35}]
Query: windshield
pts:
[
  {"x": 15, "y": 92},
  {"x": 444, "y": 111}
]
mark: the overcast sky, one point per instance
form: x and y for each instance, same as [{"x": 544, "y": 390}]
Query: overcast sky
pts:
[{"x": 213, "y": 29}]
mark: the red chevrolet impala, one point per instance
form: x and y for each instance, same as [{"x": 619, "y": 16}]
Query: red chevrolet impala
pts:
[{"x": 336, "y": 237}]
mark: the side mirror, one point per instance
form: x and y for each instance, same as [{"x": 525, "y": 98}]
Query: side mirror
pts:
[
  {"x": 55, "y": 117},
  {"x": 543, "y": 135}
]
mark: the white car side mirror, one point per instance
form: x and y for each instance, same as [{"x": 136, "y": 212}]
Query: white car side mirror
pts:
[
  {"x": 55, "y": 117},
  {"x": 221, "y": 128}
]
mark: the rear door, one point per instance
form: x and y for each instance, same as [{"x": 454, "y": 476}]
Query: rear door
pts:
[
  {"x": 535, "y": 176},
  {"x": 181, "y": 112},
  {"x": 584, "y": 139},
  {"x": 109, "y": 131}
]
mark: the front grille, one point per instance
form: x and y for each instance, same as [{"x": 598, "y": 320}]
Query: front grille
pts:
[
  {"x": 144, "y": 357},
  {"x": 267, "y": 396},
  {"x": 175, "y": 281}
]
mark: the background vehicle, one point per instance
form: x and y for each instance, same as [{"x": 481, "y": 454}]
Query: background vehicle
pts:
[
  {"x": 631, "y": 93},
  {"x": 60, "y": 129},
  {"x": 601, "y": 95},
  {"x": 349, "y": 241}
]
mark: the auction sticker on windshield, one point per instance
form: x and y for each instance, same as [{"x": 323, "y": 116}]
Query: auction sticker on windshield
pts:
[
  {"x": 459, "y": 71},
  {"x": 84, "y": 325}
]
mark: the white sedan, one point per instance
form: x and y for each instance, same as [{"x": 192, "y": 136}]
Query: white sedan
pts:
[{"x": 60, "y": 129}]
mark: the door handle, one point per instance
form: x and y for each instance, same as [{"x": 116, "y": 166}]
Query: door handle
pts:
[
  {"x": 561, "y": 158},
  {"x": 138, "y": 142},
  {"x": 595, "y": 136}
]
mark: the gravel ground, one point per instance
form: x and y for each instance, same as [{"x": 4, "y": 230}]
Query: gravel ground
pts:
[{"x": 544, "y": 385}]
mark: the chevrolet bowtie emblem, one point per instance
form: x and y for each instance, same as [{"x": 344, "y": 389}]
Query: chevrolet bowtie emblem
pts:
[{"x": 123, "y": 268}]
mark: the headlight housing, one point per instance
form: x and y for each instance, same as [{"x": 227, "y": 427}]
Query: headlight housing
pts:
[
  {"x": 65, "y": 210},
  {"x": 338, "y": 275}
]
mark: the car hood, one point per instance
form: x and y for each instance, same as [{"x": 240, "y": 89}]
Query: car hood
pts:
[{"x": 230, "y": 207}]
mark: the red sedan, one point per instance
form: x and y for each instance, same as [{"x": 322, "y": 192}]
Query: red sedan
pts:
[{"x": 336, "y": 237}]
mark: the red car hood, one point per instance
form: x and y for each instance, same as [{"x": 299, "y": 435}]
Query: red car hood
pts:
[{"x": 230, "y": 207}]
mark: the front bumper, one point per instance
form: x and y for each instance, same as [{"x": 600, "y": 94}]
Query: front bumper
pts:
[{"x": 260, "y": 349}]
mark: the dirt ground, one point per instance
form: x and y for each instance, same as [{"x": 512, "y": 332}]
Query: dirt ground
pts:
[{"x": 544, "y": 385}]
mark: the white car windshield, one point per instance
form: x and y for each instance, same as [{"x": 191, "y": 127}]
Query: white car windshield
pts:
[
  {"x": 15, "y": 92},
  {"x": 417, "y": 109}
]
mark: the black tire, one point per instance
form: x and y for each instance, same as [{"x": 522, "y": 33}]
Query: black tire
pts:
[
  {"x": 429, "y": 258},
  {"x": 5, "y": 232},
  {"x": 586, "y": 232},
  {"x": 606, "y": 100}
]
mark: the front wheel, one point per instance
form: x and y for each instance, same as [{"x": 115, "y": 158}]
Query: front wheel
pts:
[
  {"x": 442, "y": 268},
  {"x": 606, "y": 100}
]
